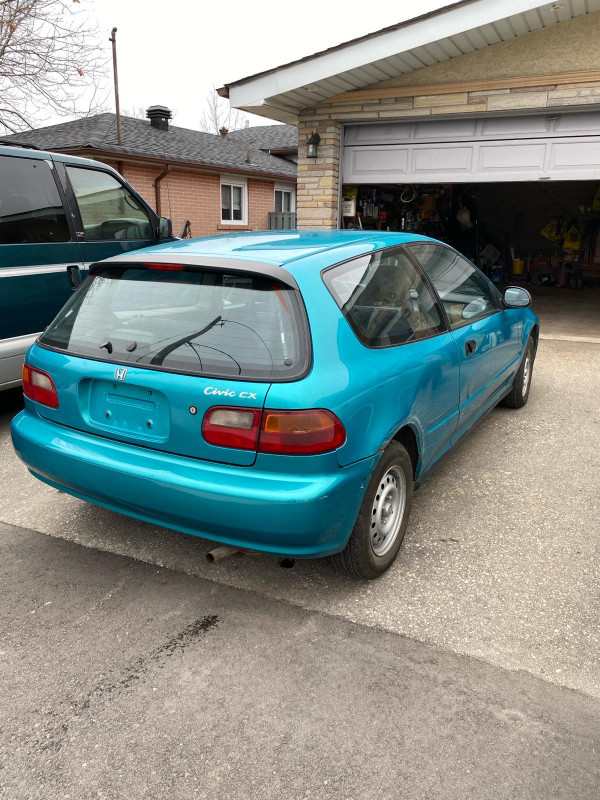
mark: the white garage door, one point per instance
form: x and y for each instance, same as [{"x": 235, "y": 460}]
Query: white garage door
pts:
[{"x": 555, "y": 147}]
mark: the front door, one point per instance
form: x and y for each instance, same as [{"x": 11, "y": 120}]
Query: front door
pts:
[{"x": 488, "y": 338}]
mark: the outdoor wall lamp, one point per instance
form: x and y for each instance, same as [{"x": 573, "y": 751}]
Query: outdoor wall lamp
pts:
[{"x": 312, "y": 146}]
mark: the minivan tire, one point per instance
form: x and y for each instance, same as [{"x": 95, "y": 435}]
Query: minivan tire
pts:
[
  {"x": 519, "y": 394},
  {"x": 385, "y": 507}
]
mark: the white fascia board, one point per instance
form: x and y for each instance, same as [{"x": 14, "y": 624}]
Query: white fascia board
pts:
[{"x": 449, "y": 23}]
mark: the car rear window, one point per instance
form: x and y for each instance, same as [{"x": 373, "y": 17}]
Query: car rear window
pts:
[{"x": 199, "y": 322}]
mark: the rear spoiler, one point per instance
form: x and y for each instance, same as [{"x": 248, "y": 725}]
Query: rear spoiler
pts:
[{"x": 198, "y": 263}]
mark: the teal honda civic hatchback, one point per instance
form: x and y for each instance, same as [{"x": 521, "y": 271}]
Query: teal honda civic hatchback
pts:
[{"x": 280, "y": 391}]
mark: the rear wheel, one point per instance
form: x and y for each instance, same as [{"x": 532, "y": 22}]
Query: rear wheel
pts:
[
  {"x": 519, "y": 394},
  {"x": 382, "y": 519}
]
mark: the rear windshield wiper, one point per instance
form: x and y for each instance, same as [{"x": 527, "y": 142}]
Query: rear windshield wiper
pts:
[{"x": 168, "y": 349}]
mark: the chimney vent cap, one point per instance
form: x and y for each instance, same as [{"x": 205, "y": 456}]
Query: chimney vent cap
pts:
[
  {"x": 159, "y": 117},
  {"x": 158, "y": 111}
]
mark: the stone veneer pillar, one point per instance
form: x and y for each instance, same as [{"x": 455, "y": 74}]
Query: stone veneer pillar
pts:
[{"x": 318, "y": 178}]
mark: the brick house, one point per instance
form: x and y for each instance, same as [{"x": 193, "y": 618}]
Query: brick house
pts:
[{"x": 219, "y": 183}]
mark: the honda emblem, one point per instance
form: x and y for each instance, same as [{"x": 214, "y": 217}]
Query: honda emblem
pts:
[{"x": 120, "y": 373}]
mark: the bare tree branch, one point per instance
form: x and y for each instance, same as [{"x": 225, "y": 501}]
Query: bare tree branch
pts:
[
  {"x": 50, "y": 62},
  {"x": 218, "y": 114}
]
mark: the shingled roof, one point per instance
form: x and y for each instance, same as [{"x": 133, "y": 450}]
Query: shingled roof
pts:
[
  {"x": 183, "y": 145},
  {"x": 268, "y": 137}
]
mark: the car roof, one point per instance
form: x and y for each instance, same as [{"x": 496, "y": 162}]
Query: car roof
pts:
[
  {"x": 27, "y": 151},
  {"x": 282, "y": 247}
]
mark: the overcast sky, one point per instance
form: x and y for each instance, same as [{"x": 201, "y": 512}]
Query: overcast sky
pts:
[{"x": 171, "y": 52}]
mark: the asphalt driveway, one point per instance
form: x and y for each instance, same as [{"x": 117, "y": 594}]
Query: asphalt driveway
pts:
[
  {"x": 125, "y": 680},
  {"x": 501, "y": 559}
]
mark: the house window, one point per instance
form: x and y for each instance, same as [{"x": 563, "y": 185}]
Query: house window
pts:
[
  {"x": 234, "y": 201},
  {"x": 285, "y": 198}
]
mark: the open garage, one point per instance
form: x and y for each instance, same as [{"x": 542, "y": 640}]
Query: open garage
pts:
[{"x": 519, "y": 195}]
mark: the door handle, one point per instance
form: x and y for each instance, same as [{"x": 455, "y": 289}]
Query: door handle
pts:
[
  {"x": 470, "y": 347},
  {"x": 74, "y": 275}
]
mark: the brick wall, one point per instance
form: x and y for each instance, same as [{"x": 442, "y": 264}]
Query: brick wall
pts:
[
  {"x": 197, "y": 196},
  {"x": 261, "y": 200}
]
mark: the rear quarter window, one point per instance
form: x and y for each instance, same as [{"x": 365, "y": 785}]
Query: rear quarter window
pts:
[
  {"x": 385, "y": 299},
  {"x": 197, "y": 322}
]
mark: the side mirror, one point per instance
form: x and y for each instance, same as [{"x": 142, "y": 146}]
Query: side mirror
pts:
[
  {"x": 516, "y": 297},
  {"x": 165, "y": 228}
]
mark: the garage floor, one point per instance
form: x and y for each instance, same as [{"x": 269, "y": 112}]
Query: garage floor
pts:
[{"x": 567, "y": 314}]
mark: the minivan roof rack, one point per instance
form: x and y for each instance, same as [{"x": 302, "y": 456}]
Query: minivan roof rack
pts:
[{"x": 12, "y": 143}]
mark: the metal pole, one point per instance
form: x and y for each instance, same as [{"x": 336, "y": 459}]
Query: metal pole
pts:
[{"x": 113, "y": 39}]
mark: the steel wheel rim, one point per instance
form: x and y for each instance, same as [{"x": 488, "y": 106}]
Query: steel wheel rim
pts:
[
  {"x": 387, "y": 511},
  {"x": 526, "y": 374}
]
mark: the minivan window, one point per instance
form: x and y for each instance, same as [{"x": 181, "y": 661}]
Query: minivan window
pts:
[
  {"x": 108, "y": 210},
  {"x": 31, "y": 211},
  {"x": 384, "y": 298},
  {"x": 197, "y": 322},
  {"x": 466, "y": 294}
]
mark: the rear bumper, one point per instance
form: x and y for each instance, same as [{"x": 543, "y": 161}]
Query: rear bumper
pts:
[{"x": 294, "y": 515}]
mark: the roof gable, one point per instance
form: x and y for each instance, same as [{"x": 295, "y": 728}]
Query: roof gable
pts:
[{"x": 410, "y": 46}]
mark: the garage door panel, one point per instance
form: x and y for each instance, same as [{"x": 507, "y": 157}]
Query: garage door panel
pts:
[
  {"x": 516, "y": 126},
  {"x": 389, "y": 164},
  {"x": 450, "y": 160},
  {"x": 583, "y": 154},
  {"x": 444, "y": 129},
  {"x": 378, "y": 134},
  {"x": 526, "y": 157},
  {"x": 526, "y": 148},
  {"x": 584, "y": 122},
  {"x": 463, "y": 128}
]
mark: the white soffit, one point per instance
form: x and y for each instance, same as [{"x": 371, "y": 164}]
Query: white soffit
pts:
[{"x": 450, "y": 32}]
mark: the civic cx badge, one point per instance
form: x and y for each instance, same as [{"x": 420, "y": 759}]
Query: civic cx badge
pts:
[{"x": 120, "y": 373}]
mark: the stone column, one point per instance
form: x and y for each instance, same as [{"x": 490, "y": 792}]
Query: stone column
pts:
[{"x": 318, "y": 178}]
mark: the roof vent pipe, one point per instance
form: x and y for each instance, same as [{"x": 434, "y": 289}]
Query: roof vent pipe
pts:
[{"x": 159, "y": 117}]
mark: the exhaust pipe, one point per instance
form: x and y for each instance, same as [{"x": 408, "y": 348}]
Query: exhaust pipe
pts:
[{"x": 220, "y": 552}]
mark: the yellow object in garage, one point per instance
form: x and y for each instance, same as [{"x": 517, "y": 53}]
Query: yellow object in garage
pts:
[{"x": 518, "y": 266}]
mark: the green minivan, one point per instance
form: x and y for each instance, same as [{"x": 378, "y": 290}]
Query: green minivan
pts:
[{"x": 58, "y": 214}]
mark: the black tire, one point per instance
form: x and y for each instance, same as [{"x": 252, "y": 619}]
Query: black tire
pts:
[
  {"x": 359, "y": 558},
  {"x": 519, "y": 394}
]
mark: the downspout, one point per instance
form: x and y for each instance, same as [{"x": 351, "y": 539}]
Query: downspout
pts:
[{"x": 157, "y": 180}]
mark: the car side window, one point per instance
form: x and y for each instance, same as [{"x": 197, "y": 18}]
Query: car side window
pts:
[
  {"x": 108, "y": 210},
  {"x": 31, "y": 211},
  {"x": 385, "y": 298},
  {"x": 464, "y": 291}
]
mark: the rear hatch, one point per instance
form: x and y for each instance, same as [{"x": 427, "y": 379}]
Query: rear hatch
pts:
[{"x": 148, "y": 349}]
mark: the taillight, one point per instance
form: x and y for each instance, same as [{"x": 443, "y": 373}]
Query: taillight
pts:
[
  {"x": 228, "y": 426},
  {"x": 306, "y": 432},
  {"x": 39, "y": 386},
  {"x": 300, "y": 432}
]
